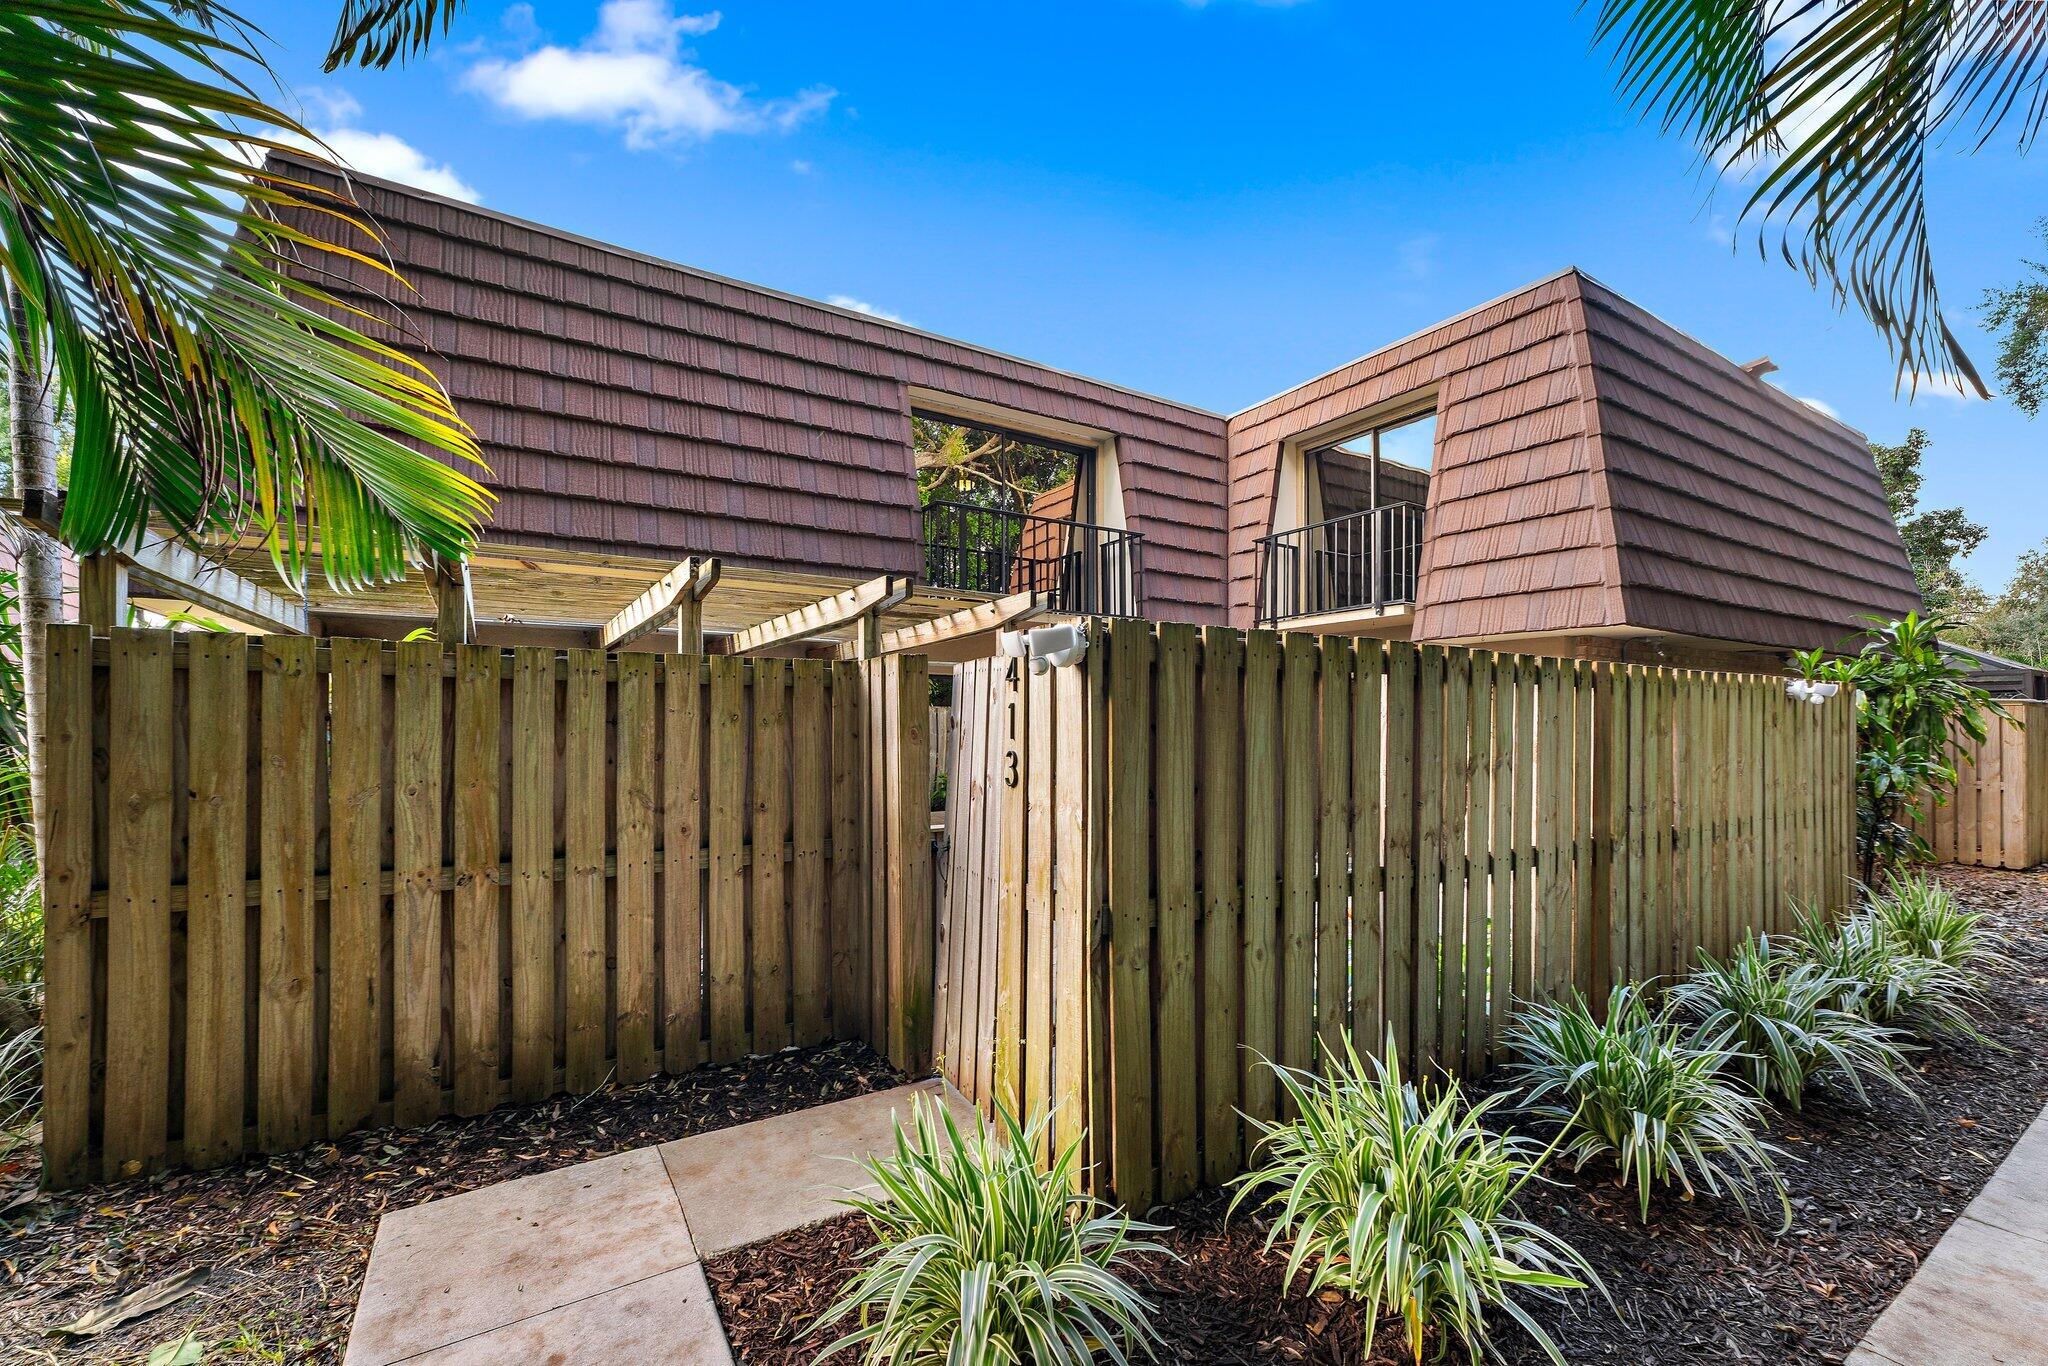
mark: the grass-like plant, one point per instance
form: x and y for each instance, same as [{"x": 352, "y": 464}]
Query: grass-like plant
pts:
[
  {"x": 1643, "y": 1086},
  {"x": 1405, "y": 1201},
  {"x": 1879, "y": 976},
  {"x": 1922, "y": 914},
  {"x": 1779, "y": 1014},
  {"x": 982, "y": 1257}
]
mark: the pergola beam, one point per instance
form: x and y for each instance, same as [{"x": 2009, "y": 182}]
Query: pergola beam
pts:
[
  {"x": 925, "y": 637},
  {"x": 859, "y": 604},
  {"x": 174, "y": 570},
  {"x": 677, "y": 590}
]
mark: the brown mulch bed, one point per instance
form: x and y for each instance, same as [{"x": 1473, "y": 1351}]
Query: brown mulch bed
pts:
[
  {"x": 286, "y": 1239},
  {"x": 1872, "y": 1191}
]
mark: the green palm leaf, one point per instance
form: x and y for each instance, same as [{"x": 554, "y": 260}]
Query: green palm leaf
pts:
[
  {"x": 1840, "y": 100},
  {"x": 165, "y": 274}
]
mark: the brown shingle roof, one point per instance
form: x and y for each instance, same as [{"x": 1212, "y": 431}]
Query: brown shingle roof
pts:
[
  {"x": 630, "y": 405},
  {"x": 1597, "y": 468}
]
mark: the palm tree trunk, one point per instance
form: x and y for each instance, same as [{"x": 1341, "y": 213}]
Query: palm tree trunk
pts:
[{"x": 32, "y": 434}]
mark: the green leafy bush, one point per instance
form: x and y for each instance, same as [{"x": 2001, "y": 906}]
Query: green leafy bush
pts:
[
  {"x": 983, "y": 1258},
  {"x": 1923, "y": 915},
  {"x": 1405, "y": 1202},
  {"x": 1880, "y": 977},
  {"x": 1642, "y": 1086},
  {"x": 1780, "y": 1015}
]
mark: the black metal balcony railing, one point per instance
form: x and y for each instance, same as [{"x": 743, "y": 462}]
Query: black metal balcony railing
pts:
[
  {"x": 1087, "y": 570},
  {"x": 1366, "y": 560}
]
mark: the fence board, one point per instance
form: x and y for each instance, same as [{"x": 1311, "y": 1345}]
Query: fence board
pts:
[
  {"x": 1130, "y": 893},
  {"x": 477, "y": 971},
  {"x": 1261, "y": 874},
  {"x": 535, "y": 938},
  {"x": 1368, "y": 943},
  {"x": 1222, "y": 930},
  {"x": 810, "y": 819},
  {"x": 633, "y": 938},
  {"x": 1333, "y": 850},
  {"x": 217, "y": 921},
  {"x": 1174, "y": 851},
  {"x": 138, "y": 906},
  {"x": 726, "y": 926},
  {"x": 682, "y": 879},
  {"x": 416, "y": 901},
  {"x": 768, "y": 907},
  {"x": 69, "y": 1015}
]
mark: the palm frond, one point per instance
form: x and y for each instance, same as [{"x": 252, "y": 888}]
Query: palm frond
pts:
[
  {"x": 376, "y": 33},
  {"x": 1839, "y": 100},
  {"x": 158, "y": 252}
]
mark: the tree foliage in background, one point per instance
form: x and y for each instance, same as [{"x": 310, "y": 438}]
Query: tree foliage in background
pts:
[
  {"x": 1835, "y": 104},
  {"x": 1913, "y": 699},
  {"x": 1936, "y": 538},
  {"x": 2020, "y": 313},
  {"x": 159, "y": 270},
  {"x": 962, "y": 464},
  {"x": 2015, "y": 623}
]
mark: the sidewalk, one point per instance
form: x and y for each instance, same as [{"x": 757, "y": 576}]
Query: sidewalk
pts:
[
  {"x": 1981, "y": 1297},
  {"x": 601, "y": 1262}
]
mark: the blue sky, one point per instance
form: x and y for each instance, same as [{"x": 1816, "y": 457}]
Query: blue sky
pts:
[{"x": 1209, "y": 201}]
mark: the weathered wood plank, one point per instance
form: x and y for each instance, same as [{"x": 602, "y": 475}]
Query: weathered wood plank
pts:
[
  {"x": 1333, "y": 850},
  {"x": 416, "y": 1057},
  {"x": 768, "y": 905},
  {"x": 478, "y": 973},
  {"x": 1174, "y": 733},
  {"x": 216, "y": 914},
  {"x": 585, "y": 1046},
  {"x": 1298, "y": 828},
  {"x": 293, "y": 723},
  {"x": 849, "y": 849},
  {"x": 1401, "y": 818},
  {"x": 356, "y": 1002},
  {"x": 810, "y": 824},
  {"x": 1130, "y": 910},
  {"x": 1073, "y": 914},
  {"x": 726, "y": 925},
  {"x": 68, "y": 1012},
  {"x": 633, "y": 912},
  {"x": 1222, "y": 928},
  {"x": 135, "y": 1136},
  {"x": 536, "y": 940},
  {"x": 1368, "y": 944}
]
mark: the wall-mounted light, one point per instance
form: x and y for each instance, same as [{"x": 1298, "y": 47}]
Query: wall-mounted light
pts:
[
  {"x": 1053, "y": 647},
  {"x": 1806, "y": 690},
  {"x": 1012, "y": 644}
]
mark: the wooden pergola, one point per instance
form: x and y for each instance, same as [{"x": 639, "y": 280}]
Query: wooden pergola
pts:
[{"x": 519, "y": 595}]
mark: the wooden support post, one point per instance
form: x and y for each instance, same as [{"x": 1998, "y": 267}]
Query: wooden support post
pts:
[
  {"x": 867, "y": 638},
  {"x": 454, "y": 608},
  {"x": 689, "y": 636},
  {"x": 103, "y": 591}
]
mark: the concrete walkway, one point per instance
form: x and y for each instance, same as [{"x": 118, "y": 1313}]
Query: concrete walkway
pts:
[
  {"x": 1981, "y": 1297},
  {"x": 601, "y": 1262}
]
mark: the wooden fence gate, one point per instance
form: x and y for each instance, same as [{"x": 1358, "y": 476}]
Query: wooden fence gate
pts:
[
  {"x": 1203, "y": 847},
  {"x": 295, "y": 887},
  {"x": 1013, "y": 917}
]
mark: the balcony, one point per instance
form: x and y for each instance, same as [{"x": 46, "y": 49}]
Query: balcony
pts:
[
  {"x": 1361, "y": 564},
  {"x": 1084, "y": 569}
]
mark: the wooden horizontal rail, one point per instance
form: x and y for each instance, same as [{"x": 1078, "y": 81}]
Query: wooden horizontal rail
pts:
[{"x": 449, "y": 879}]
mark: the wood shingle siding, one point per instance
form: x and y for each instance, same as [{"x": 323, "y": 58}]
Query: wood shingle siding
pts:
[
  {"x": 1597, "y": 468},
  {"x": 632, "y": 406}
]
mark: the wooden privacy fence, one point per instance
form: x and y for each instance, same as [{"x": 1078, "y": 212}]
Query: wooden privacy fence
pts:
[
  {"x": 1287, "y": 837},
  {"x": 296, "y": 887},
  {"x": 1998, "y": 815}
]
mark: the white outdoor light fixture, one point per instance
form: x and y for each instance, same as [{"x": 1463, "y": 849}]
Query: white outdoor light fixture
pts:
[
  {"x": 1012, "y": 644},
  {"x": 1054, "y": 646}
]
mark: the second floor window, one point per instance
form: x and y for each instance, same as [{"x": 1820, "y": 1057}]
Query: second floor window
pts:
[{"x": 1387, "y": 464}]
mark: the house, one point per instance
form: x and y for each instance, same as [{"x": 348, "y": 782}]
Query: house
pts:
[{"x": 1556, "y": 470}]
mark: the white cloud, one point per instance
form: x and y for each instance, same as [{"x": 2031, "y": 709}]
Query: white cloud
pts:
[
  {"x": 333, "y": 114},
  {"x": 1823, "y": 408},
  {"x": 634, "y": 73},
  {"x": 847, "y": 301},
  {"x": 801, "y": 167}
]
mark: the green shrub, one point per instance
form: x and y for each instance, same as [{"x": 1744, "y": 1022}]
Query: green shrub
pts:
[
  {"x": 982, "y": 1257},
  {"x": 1779, "y": 1015},
  {"x": 1880, "y": 977},
  {"x": 1923, "y": 915},
  {"x": 1404, "y": 1202},
  {"x": 1641, "y": 1086}
]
